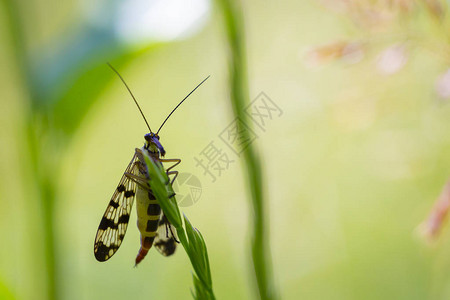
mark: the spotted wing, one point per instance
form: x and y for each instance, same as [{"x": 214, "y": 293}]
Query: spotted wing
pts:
[
  {"x": 113, "y": 226},
  {"x": 166, "y": 237}
]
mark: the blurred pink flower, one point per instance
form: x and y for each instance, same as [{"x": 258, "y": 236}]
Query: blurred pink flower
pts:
[
  {"x": 349, "y": 52},
  {"x": 443, "y": 85},
  {"x": 435, "y": 8},
  {"x": 369, "y": 14},
  {"x": 431, "y": 227},
  {"x": 392, "y": 59}
]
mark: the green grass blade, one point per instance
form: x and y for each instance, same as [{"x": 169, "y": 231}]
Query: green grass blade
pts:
[
  {"x": 239, "y": 100},
  {"x": 191, "y": 239}
]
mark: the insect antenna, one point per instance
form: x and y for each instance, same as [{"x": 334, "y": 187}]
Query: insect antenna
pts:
[
  {"x": 135, "y": 101},
  {"x": 181, "y": 102}
]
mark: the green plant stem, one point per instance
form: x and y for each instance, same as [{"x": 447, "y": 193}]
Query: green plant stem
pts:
[
  {"x": 45, "y": 174},
  {"x": 239, "y": 98},
  {"x": 47, "y": 197},
  {"x": 191, "y": 239},
  {"x": 40, "y": 172}
]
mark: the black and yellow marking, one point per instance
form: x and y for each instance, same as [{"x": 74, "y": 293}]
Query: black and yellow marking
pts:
[
  {"x": 152, "y": 225},
  {"x": 124, "y": 219},
  {"x": 165, "y": 241},
  {"x": 148, "y": 242},
  {"x": 153, "y": 210},
  {"x": 114, "y": 204},
  {"x": 166, "y": 247},
  {"x": 114, "y": 223},
  {"x": 151, "y": 219},
  {"x": 107, "y": 223},
  {"x": 103, "y": 252},
  {"x": 129, "y": 194}
]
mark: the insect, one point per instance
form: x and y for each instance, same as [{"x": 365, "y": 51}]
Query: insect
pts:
[{"x": 155, "y": 229}]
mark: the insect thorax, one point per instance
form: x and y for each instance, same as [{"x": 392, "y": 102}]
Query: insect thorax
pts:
[{"x": 151, "y": 150}]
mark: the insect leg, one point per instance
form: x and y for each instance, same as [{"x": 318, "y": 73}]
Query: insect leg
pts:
[
  {"x": 169, "y": 228},
  {"x": 177, "y": 161},
  {"x": 140, "y": 180},
  {"x": 173, "y": 235},
  {"x": 172, "y": 173}
]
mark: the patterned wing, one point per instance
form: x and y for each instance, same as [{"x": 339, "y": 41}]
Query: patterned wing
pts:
[
  {"x": 166, "y": 237},
  {"x": 113, "y": 226}
]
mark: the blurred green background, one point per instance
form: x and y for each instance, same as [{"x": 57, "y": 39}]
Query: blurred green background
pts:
[{"x": 352, "y": 166}]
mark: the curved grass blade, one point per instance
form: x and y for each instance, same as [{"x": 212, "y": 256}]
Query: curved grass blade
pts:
[{"x": 191, "y": 239}]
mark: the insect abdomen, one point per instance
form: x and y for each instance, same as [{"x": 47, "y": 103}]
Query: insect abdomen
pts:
[{"x": 148, "y": 212}]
